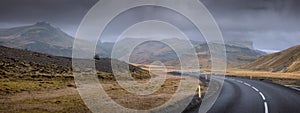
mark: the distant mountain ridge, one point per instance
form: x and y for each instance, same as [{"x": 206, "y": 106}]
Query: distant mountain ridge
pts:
[
  {"x": 150, "y": 51},
  {"x": 236, "y": 56},
  {"x": 285, "y": 61},
  {"x": 44, "y": 38},
  {"x": 41, "y": 37}
]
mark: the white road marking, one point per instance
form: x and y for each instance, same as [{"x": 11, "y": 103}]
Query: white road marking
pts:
[
  {"x": 293, "y": 87},
  {"x": 239, "y": 81},
  {"x": 266, "y": 107},
  {"x": 247, "y": 84},
  {"x": 255, "y": 88},
  {"x": 261, "y": 94}
]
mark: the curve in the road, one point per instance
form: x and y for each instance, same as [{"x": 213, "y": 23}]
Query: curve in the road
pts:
[
  {"x": 240, "y": 95},
  {"x": 261, "y": 94}
]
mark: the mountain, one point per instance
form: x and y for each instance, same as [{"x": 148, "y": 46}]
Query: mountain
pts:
[
  {"x": 44, "y": 38},
  {"x": 236, "y": 56},
  {"x": 40, "y": 37},
  {"x": 284, "y": 61},
  {"x": 240, "y": 43},
  {"x": 150, "y": 51}
]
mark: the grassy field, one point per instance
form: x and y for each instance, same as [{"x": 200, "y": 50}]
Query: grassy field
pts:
[
  {"x": 31, "y": 82},
  {"x": 266, "y": 74},
  {"x": 292, "y": 79},
  {"x": 282, "y": 78},
  {"x": 38, "y": 95},
  {"x": 257, "y": 74}
]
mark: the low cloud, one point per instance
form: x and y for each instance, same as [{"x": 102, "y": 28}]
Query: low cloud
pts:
[{"x": 270, "y": 24}]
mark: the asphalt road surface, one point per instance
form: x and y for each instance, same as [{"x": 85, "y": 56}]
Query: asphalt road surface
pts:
[{"x": 253, "y": 96}]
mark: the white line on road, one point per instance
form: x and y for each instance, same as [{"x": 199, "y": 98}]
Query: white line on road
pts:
[
  {"x": 262, "y": 95},
  {"x": 266, "y": 107},
  {"x": 239, "y": 81},
  {"x": 293, "y": 87},
  {"x": 247, "y": 84},
  {"x": 255, "y": 88}
]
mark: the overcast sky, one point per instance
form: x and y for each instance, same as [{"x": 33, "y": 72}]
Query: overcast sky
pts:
[{"x": 270, "y": 24}]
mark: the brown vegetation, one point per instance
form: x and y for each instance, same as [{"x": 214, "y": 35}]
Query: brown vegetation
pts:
[
  {"x": 32, "y": 82},
  {"x": 285, "y": 61},
  {"x": 265, "y": 74}
]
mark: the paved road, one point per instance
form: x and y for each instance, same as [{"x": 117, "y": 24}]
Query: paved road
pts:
[{"x": 253, "y": 96}]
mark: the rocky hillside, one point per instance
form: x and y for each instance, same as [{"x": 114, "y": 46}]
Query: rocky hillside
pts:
[
  {"x": 284, "y": 61},
  {"x": 150, "y": 51},
  {"x": 236, "y": 56},
  {"x": 44, "y": 38},
  {"x": 40, "y": 37},
  {"x": 23, "y": 63}
]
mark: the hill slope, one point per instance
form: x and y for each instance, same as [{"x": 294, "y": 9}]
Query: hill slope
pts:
[
  {"x": 236, "y": 56},
  {"x": 284, "y": 61},
  {"x": 150, "y": 51},
  {"x": 40, "y": 37},
  {"x": 22, "y": 63},
  {"x": 44, "y": 38}
]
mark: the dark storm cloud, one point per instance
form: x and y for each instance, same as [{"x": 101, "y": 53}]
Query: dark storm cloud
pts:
[
  {"x": 66, "y": 14},
  {"x": 256, "y": 14},
  {"x": 271, "y": 24}
]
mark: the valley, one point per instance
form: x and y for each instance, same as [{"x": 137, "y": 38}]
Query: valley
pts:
[{"x": 37, "y": 73}]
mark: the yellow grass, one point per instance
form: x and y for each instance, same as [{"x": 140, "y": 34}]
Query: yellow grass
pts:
[
  {"x": 266, "y": 74},
  {"x": 238, "y": 72},
  {"x": 38, "y": 97}
]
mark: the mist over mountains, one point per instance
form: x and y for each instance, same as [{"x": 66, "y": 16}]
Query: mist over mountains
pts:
[
  {"x": 44, "y": 38},
  {"x": 265, "y": 22}
]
